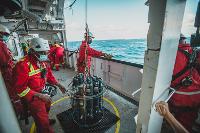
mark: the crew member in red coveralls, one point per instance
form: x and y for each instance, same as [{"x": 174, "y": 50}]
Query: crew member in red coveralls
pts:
[
  {"x": 59, "y": 55},
  {"x": 6, "y": 63},
  {"x": 81, "y": 62},
  {"x": 51, "y": 54},
  {"x": 186, "y": 80},
  {"x": 31, "y": 75}
]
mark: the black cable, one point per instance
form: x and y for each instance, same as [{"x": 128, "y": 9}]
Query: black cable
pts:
[
  {"x": 18, "y": 25},
  {"x": 72, "y": 3},
  {"x": 70, "y": 6}
]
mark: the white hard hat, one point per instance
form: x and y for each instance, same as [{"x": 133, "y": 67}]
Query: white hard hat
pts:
[
  {"x": 39, "y": 44},
  {"x": 90, "y": 35},
  {"x": 182, "y": 36},
  {"x": 4, "y": 29}
]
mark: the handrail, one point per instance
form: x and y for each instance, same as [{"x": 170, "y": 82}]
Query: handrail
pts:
[
  {"x": 167, "y": 99},
  {"x": 135, "y": 92},
  {"x": 122, "y": 62},
  {"x": 117, "y": 61},
  {"x": 171, "y": 94},
  {"x": 72, "y": 52}
]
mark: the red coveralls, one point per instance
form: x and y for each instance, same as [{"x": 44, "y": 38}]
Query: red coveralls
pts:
[
  {"x": 51, "y": 55},
  {"x": 179, "y": 102},
  {"x": 28, "y": 81},
  {"x": 6, "y": 65},
  {"x": 59, "y": 53},
  {"x": 91, "y": 53}
]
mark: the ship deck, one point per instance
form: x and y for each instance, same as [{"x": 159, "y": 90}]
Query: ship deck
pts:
[{"x": 117, "y": 105}]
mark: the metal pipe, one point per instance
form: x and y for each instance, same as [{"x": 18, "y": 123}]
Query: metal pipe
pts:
[
  {"x": 171, "y": 94},
  {"x": 8, "y": 120},
  {"x": 163, "y": 93},
  {"x": 135, "y": 92}
]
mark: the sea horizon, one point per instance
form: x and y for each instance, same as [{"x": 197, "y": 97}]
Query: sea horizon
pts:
[
  {"x": 107, "y": 39},
  {"x": 129, "y": 50}
]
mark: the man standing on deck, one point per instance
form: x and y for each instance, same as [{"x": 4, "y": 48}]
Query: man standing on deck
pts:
[
  {"x": 85, "y": 51},
  {"x": 6, "y": 63},
  {"x": 186, "y": 80},
  {"x": 31, "y": 75}
]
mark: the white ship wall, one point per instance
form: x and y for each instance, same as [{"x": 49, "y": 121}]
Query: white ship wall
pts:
[{"x": 123, "y": 77}]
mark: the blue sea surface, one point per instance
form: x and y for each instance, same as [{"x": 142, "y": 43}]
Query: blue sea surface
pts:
[{"x": 129, "y": 50}]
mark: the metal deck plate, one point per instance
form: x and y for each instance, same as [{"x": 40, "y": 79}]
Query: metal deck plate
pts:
[{"x": 69, "y": 126}]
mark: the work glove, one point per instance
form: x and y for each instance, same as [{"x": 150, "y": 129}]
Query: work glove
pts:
[
  {"x": 108, "y": 56},
  {"x": 44, "y": 97}
]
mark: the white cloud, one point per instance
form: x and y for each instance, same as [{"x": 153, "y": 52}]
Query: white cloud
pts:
[
  {"x": 120, "y": 31},
  {"x": 188, "y": 24},
  {"x": 113, "y": 24},
  {"x": 112, "y": 31}
]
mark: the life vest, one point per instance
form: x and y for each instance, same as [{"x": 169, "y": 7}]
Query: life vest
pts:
[
  {"x": 31, "y": 73},
  {"x": 186, "y": 79},
  {"x": 191, "y": 60}
]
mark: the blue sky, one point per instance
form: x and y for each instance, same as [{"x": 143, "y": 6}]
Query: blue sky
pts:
[{"x": 117, "y": 19}]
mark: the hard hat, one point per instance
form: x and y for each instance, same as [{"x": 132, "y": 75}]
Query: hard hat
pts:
[
  {"x": 182, "y": 36},
  {"x": 39, "y": 44},
  {"x": 90, "y": 35},
  {"x": 4, "y": 30}
]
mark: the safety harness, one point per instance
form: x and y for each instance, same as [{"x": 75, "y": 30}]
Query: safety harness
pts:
[
  {"x": 32, "y": 73},
  {"x": 48, "y": 89},
  {"x": 187, "y": 81}
]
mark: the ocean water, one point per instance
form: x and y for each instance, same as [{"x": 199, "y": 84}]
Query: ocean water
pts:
[{"x": 129, "y": 50}]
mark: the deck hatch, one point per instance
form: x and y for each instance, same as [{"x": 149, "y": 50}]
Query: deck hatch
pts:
[{"x": 68, "y": 125}]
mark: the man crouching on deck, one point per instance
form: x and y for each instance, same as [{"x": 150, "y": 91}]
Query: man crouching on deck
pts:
[{"x": 30, "y": 76}]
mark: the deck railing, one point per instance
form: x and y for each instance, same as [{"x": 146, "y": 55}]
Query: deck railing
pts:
[{"x": 123, "y": 77}]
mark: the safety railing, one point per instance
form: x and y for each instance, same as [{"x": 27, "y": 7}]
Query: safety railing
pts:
[
  {"x": 170, "y": 92},
  {"x": 124, "y": 77}
]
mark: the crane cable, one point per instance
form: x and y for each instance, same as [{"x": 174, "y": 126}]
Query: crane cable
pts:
[
  {"x": 86, "y": 6},
  {"x": 86, "y": 49},
  {"x": 86, "y": 39},
  {"x": 70, "y": 6}
]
